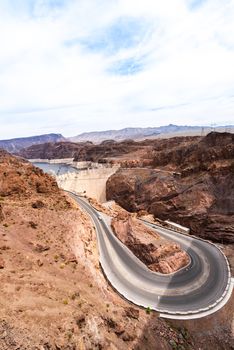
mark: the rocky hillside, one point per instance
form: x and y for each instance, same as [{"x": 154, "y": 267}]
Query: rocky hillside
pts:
[
  {"x": 196, "y": 155},
  {"x": 20, "y": 180},
  {"x": 53, "y": 293},
  {"x": 14, "y": 145},
  {"x": 191, "y": 183}
]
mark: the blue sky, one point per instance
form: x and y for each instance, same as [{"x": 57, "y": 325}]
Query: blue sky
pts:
[{"x": 71, "y": 66}]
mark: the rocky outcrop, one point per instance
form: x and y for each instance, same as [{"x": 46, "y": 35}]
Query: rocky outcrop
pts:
[
  {"x": 170, "y": 263},
  {"x": 157, "y": 253},
  {"x": 205, "y": 205}
]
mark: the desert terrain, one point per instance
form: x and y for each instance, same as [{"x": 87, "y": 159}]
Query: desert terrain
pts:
[{"x": 53, "y": 293}]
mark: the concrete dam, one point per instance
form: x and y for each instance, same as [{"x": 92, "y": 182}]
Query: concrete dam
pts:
[{"x": 85, "y": 178}]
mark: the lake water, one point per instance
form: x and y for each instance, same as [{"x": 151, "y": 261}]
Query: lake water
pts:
[{"x": 56, "y": 169}]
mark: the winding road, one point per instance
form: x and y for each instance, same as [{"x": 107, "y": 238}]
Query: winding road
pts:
[{"x": 195, "y": 291}]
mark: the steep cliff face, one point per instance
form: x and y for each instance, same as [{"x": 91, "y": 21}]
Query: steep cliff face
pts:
[
  {"x": 205, "y": 204},
  {"x": 193, "y": 185}
]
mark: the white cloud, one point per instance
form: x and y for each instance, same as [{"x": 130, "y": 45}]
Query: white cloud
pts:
[{"x": 57, "y": 72}]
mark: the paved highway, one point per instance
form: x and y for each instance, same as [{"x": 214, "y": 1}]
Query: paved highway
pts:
[{"x": 195, "y": 291}]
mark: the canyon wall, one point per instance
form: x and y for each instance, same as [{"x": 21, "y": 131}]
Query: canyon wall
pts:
[{"x": 190, "y": 182}]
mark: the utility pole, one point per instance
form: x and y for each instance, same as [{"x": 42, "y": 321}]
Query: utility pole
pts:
[{"x": 212, "y": 126}]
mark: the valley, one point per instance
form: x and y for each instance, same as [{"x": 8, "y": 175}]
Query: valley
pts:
[{"x": 52, "y": 259}]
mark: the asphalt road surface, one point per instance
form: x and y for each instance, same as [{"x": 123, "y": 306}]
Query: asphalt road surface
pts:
[{"x": 195, "y": 289}]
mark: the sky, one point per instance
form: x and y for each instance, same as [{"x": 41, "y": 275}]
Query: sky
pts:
[{"x": 72, "y": 66}]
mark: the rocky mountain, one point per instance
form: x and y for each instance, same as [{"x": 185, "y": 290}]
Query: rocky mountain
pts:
[
  {"x": 14, "y": 145},
  {"x": 116, "y": 135},
  {"x": 143, "y": 133}
]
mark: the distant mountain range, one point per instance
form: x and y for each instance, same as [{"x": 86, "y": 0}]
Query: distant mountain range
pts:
[
  {"x": 15, "y": 145},
  {"x": 142, "y": 133},
  {"x": 137, "y": 134}
]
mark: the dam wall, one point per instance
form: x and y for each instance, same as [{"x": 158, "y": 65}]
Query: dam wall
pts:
[
  {"x": 69, "y": 161},
  {"x": 84, "y": 178},
  {"x": 52, "y": 161},
  {"x": 90, "y": 182}
]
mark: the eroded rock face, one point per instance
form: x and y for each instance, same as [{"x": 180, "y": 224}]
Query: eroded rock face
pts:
[
  {"x": 171, "y": 263},
  {"x": 198, "y": 153},
  {"x": 157, "y": 253},
  {"x": 197, "y": 191},
  {"x": 206, "y": 206}
]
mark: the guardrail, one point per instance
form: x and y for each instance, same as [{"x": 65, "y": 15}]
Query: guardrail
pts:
[
  {"x": 167, "y": 312},
  {"x": 209, "y": 307}
]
